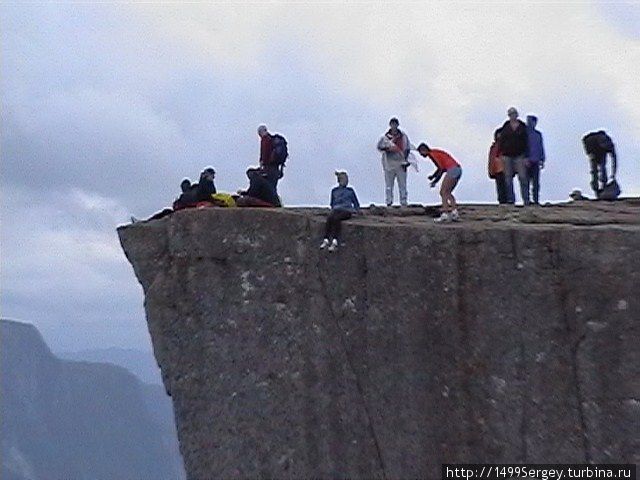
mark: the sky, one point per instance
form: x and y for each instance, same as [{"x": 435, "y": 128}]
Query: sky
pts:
[{"x": 107, "y": 106}]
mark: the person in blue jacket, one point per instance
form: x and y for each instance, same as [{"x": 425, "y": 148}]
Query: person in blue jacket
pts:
[
  {"x": 344, "y": 203},
  {"x": 535, "y": 158}
]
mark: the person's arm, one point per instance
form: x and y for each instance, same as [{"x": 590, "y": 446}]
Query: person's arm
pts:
[
  {"x": 381, "y": 144},
  {"x": 354, "y": 200},
  {"x": 526, "y": 143},
  {"x": 543, "y": 157},
  {"x": 333, "y": 198}
]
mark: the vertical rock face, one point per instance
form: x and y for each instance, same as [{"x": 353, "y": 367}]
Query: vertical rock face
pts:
[{"x": 508, "y": 339}]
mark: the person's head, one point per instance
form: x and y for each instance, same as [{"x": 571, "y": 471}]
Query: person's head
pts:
[
  {"x": 394, "y": 123},
  {"x": 512, "y": 113},
  {"x": 496, "y": 134},
  {"x": 208, "y": 173},
  {"x": 253, "y": 172},
  {"x": 423, "y": 149},
  {"x": 343, "y": 177},
  {"x": 185, "y": 185},
  {"x": 532, "y": 121},
  {"x": 262, "y": 130}
]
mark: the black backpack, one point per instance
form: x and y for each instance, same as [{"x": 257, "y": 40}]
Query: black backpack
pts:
[
  {"x": 597, "y": 142},
  {"x": 280, "y": 150}
]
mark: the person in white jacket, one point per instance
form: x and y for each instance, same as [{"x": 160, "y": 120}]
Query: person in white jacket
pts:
[{"x": 395, "y": 148}]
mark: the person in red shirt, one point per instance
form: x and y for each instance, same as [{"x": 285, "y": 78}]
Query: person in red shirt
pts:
[
  {"x": 446, "y": 165},
  {"x": 267, "y": 163}
]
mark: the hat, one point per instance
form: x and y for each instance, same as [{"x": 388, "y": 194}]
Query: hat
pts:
[
  {"x": 209, "y": 170},
  {"x": 394, "y": 120},
  {"x": 262, "y": 128},
  {"x": 512, "y": 110},
  {"x": 340, "y": 171}
]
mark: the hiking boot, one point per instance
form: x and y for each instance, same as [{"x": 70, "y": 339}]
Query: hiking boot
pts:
[
  {"x": 455, "y": 216},
  {"x": 325, "y": 243},
  {"x": 334, "y": 245},
  {"x": 443, "y": 218}
]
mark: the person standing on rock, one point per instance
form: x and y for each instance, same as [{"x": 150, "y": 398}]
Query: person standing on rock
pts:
[
  {"x": 514, "y": 145},
  {"x": 395, "y": 148},
  {"x": 273, "y": 155},
  {"x": 446, "y": 165},
  {"x": 344, "y": 203},
  {"x": 535, "y": 158},
  {"x": 496, "y": 168}
]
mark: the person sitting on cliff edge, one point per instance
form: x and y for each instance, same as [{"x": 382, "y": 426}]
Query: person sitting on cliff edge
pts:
[
  {"x": 261, "y": 192},
  {"x": 344, "y": 203},
  {"x": 445, "y": 164}
]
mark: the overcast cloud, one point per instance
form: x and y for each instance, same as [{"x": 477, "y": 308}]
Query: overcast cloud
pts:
[{"x": 106, "y": 107}]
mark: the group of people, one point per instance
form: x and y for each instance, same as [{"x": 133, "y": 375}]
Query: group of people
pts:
[
  {"x": 517, "y": 150},
  {"x": 397, "y": 157}
]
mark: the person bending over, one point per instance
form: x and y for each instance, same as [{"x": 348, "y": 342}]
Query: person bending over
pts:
[
  {"x": 450, "y": 168},
  {"x": 261, "y": 192}
]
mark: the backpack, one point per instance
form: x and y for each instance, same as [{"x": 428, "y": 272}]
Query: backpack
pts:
[
  {"x": 280, "y": 150},
  {"x": 597, "y": 142}
]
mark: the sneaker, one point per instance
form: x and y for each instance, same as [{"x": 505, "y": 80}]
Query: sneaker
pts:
[
  {"x": 334, "y": 245},
  {"x": 443, "y": 218},
  {"x": 324, "y": 244},
  {"x": 455, "y": 216}
]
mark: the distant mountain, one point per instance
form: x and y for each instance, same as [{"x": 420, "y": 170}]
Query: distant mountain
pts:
[
  {"x": 140, "y": 363},
  {"x": 77, "y": 420}
]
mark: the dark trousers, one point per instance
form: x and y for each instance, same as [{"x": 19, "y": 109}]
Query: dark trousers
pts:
[
  {"x": 533, "y": 176},
  {"x": 333, "y": 226},
  {"x": 501, "y": 188},
  {"x": 272, "y": 174},
  {"x": 598, "y": 171}
]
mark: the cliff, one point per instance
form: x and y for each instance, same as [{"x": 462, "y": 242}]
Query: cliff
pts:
[
  {"x": 510, "y": 337},
  {"x": 74, "y": 420}
]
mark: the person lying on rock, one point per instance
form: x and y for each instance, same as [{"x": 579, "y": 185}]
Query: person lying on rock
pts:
[
  {"x": 344, "y": 203},
  {"x": 452, "y": 171},
  {"x": 261, "y": 192},
  {"x": 187, "y": 199}
]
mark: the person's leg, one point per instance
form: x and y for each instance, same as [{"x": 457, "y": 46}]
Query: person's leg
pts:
[
  {"x": 594, "y": 174},
  {"x": 162, "y": 214},
  {"x": 523, "y": 179},
  {"x": 328, "y": 226},
  {"x": 402, "y": 185},
  {"x": 389, "y": 179},
  {"x": 508, "y": 179},
  {"x": 501, "y": 188},
  {"x": 603, "y": 171},
  {"x": 339, "y": 217},
  {"x": 272, "y": 175},
  {"x": 533, "y": 173}
]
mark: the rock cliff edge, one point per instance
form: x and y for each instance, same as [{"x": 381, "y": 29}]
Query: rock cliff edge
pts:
[{"x": 510, "y": 337}]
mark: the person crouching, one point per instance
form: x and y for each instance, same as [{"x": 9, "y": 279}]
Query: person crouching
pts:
[
  {"x": 261, "y": 193},
  {"x": 344, "y": 203},
  {"x": 452, "y": 171}
]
